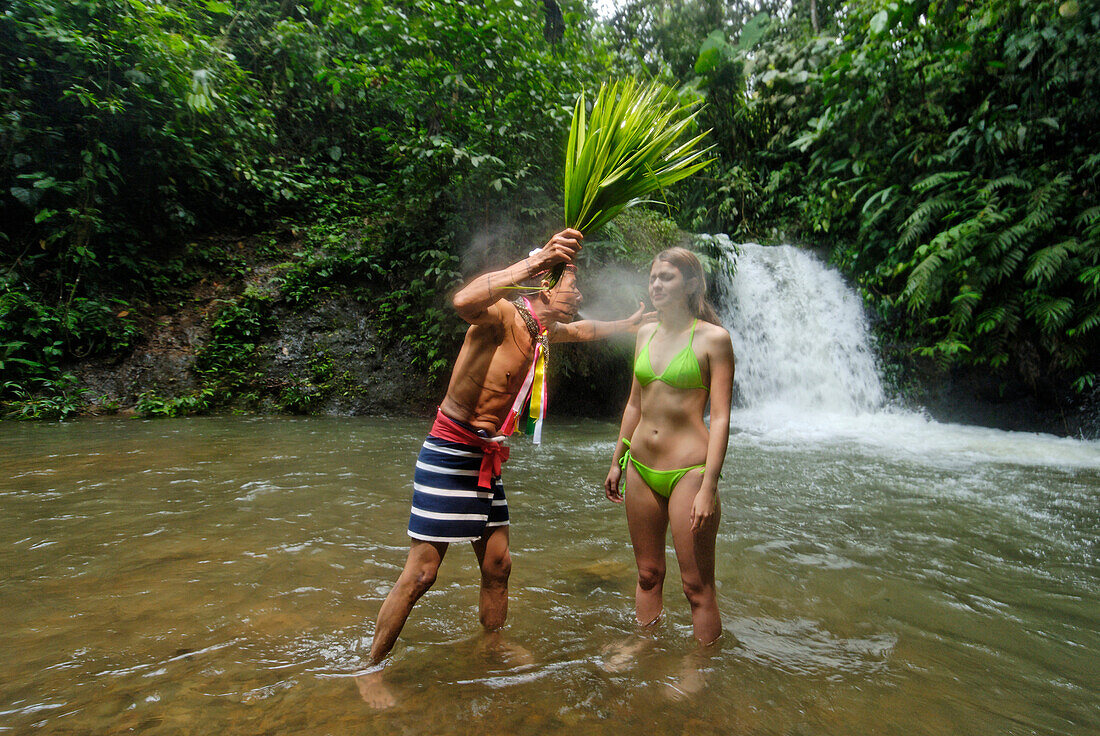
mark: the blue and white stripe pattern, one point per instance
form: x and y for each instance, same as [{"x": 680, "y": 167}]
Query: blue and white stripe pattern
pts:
[{"x": 448, "y": 505}]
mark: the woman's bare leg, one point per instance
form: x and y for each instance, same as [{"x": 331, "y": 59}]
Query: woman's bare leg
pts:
[
  {"x": 695, "y": 554},
  {"x": 647, "y": 519}
]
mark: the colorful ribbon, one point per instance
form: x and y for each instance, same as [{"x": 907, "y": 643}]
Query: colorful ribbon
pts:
[{"x": 530, "y": 402}]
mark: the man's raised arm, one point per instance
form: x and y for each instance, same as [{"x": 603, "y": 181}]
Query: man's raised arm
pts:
[{"x": 472, "y": 301}]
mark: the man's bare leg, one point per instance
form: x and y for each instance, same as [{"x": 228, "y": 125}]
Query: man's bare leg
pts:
[
  {"x": 416, "y": 578},
  {"x": 495, "y": 561}
]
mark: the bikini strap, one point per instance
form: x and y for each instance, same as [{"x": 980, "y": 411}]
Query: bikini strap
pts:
[{"x": 626, "y": 454}]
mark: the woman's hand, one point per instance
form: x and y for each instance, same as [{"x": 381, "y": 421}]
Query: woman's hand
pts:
[
  {"x": 704, "y": 510},
  {"x": 611, "y": 485}
]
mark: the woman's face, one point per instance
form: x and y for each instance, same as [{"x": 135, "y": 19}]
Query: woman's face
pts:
[{"x": 667, "y": 285}]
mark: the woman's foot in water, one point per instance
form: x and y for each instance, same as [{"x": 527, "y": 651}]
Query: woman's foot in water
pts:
[
  {"x": 374, "y": 691},
  {"x": 691, "y": 680},
  {"x": 620, "y": 656}
]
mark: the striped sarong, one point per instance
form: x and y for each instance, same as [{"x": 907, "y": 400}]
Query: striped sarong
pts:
[{"x": 448, "y": 505}]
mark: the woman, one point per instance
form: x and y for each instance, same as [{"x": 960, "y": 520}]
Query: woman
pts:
[{"x": 669, "y": 459}]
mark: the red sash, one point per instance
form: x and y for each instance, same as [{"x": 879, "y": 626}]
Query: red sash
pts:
[{"x": 493, "y": 453}]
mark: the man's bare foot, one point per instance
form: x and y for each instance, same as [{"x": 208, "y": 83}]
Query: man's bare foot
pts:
[
  {"x": 374, "y": 690},
  {"x": 508, "y": 652},
  {"x": 620, "y": 657}
]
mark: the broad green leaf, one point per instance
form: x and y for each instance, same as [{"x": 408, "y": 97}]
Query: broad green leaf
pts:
[
  {"x": 879, "y": 21},
  {"x": 712, "y": 53},
  {"x": 753, "y": 31}
]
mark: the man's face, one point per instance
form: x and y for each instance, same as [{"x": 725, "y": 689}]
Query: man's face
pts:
[{"x": 565, "y": 298}]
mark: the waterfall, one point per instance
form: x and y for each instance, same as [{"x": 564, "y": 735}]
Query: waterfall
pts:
[
  {"x": 807, "y": 374},
  {"x": 800, "y": 335}
]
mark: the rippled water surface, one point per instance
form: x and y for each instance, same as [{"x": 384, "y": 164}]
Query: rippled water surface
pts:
[{"x": 222, "y": 575}]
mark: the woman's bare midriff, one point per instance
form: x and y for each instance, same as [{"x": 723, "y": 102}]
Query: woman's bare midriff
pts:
[{"x": 671, "y": 432}]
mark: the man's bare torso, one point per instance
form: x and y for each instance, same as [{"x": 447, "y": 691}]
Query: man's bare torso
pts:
[{"x": 489, "y": 371}]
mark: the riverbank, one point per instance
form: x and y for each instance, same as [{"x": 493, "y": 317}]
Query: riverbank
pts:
[{"x": 310, "y": 323}]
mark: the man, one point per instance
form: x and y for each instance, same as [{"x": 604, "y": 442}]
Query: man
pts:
[{"x": 457, "y": 492}]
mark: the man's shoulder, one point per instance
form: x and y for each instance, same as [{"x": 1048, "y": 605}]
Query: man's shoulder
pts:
[{"x": 501, "y": 314}]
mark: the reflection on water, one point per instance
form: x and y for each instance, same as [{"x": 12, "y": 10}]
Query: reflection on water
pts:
[{"x": 222, "y": 575}]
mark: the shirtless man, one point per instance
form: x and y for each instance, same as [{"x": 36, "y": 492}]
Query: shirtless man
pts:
[{"x": 457, "y": 491}]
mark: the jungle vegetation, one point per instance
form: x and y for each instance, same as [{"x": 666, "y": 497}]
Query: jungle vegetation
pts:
[{"x": 946, "y": 153}]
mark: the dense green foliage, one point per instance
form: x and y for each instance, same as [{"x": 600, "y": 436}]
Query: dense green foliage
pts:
[
  {"x": 948, "y": 153},
  {"x": 131, "y": 125}
]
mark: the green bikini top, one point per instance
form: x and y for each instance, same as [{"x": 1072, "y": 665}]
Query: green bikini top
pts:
[{"x": 682, "y": 371}]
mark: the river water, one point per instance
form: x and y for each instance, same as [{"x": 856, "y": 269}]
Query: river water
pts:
[
  {"x": 878, "y": 572},
  {"x": 223, "y": 574}
]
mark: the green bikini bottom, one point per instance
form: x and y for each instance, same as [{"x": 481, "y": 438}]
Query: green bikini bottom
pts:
[{"x": 661, "y": 481}]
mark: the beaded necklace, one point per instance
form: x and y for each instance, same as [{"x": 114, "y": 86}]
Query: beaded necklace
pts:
[{"x": 542, "y": 337}]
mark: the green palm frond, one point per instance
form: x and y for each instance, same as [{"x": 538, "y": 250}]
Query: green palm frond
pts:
[{"x": 626, "y": 150}]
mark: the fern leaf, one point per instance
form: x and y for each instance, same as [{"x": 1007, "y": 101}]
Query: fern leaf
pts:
[
  {"x": 962, "y": 307},
  {"x": 1046, "y": 201},
  {"x": 1012, "y": 238},
  {"x": 1089, "y": 222},
  {"x": 917, "y": 286},
  {"x": 1010, "y": 180},
  {"x": 1091, "y": 165},
  {"x": 1045, "y": 264},
  {"x": 1051, "y": 312},
  {"x": 1088, "y": 323},
  {"x": 1088, "y": 217},
  {"x": 940, "y": 177},
  {"x": 1090, "y": 277},
  {"x": 922, "y": 219},
  {"x": 988, "y": 320}
]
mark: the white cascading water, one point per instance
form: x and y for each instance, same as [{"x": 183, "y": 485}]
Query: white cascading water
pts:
[
  {"x": 807, "y": 372},
  {"x": 800, "y": 335}
]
